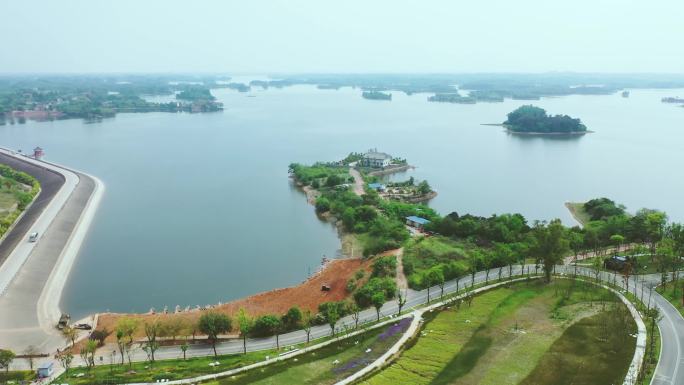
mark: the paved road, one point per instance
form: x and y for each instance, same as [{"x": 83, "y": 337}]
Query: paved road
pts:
[
  {"x": 33, "y": 273},
  {"x": 50, "y": 183},
  {"x": 669, "y": 371}
]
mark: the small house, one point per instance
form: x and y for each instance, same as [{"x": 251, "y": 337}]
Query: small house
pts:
[
  {"x": 45, "y": 370},
  {"x": 375, "y": 159},
  {"x": 377, "y": 187},
  {"x": 416, "y": 222}
]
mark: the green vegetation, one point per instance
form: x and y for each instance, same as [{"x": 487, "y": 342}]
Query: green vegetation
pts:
[
  {"x": 195, "y": 93},
  {"x": 507, "y": 333},
  {"x": 326, "y": 365},
  {"x": 161, "y": 369},
  {"x": 17, "y": 376},
  {"x": 531, "y": 119},
  {"x": 321, "y": 176},
  {"x": 17, "y": 190},
  {"x": 452, "y": 98},
  {"x": 95, "y": 97},
  {"x": 376, "y": 95},
  {"x": 588, "y": 352}
]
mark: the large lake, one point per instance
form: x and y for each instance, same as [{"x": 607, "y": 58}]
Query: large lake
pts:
[{"x": 199, "y": 208}]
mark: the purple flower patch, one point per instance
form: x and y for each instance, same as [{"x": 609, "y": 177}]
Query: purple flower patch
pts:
[{"x": 367, "y": 358}]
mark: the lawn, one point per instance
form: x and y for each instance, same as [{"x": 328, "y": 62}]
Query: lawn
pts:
[
  {"x": 425, "y": 252},
  {"x": 8, "y": 196},
  {"x": 504, "y": 336},
  {"x": 16, "y": 376},
  {"x": 163, "y": 369},
  {"x": 326, "y": 365},
  {"x": 589, "y": 352}
]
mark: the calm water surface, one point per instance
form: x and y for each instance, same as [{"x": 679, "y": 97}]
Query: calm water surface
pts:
[{"x": 199, "y": 209}]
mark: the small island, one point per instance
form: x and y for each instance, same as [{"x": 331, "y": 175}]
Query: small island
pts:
[
  {"x": 376, "y": 95},
  {"x": 452, "y": 98},
  {"x": 533, "y": 120}
]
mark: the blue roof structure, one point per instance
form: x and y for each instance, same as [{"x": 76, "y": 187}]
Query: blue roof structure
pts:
[
  {"x": 45, "y": 365},
  {"x": 416, "y": 219},
  {"x": 376, "y": 186}
]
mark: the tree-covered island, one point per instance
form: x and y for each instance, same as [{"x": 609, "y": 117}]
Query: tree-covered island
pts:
[
  {"x": 376, "y": 95},
  {"x": 529, "y": 119}
]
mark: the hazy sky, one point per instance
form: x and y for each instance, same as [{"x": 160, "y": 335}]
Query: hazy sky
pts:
[{"x": 259, "y": 36}]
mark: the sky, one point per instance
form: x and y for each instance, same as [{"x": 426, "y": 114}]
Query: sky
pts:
[{"x": 350, "y": 36}]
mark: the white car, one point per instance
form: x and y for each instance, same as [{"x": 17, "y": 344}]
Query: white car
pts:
[{"x": 33, "y": 237}]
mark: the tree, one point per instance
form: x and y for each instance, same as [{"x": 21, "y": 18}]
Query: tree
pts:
[
  {"x": 125, "y": 329},
  {"x": 6, "y": 358},
  {"x": 292, "y": 318},
  {"x": 428, "y": 282},
  {"x": 212, "y": 324},
  {"x": 617, "y": 240},
  {"x": 654, "y": 316},
  {"x": 355, "y": 311},
  {"x": 69, "y": 334},
  {"x": 152, "y": 331},
  {"x": 65, "y": 359},
  {"x": 401, "y": 299},
  {"x": 597, "y": 264},
  {"x": 437, "y": 278},
  {"x": 549, "y": 246},
  {"x": 331, "y": 314},
  {"x": 307, "y": 323},
  {"x": 245, "y": 323},
  {"x": 378, "y": 300},
  {"x": 87, "y": 353},
  {"x": 665, "y": 258},
  {"x": 424, "y": 188},
  {"x": 267, "y": 325},
  {"x": 184, "y": 347},
  {"x": 30, "y": 352},
  {"x": 173, "y": 327}
]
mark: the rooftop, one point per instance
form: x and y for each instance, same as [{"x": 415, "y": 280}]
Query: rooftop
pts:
[{"x": 416, "y": 219}]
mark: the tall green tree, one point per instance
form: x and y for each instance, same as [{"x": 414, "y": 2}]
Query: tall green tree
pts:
[
  {"x": 6, "y": 358},
  {"x": 245, "y": 323},
  {"x": 550, "y": 245},
  {"x": 378, "y": 300},
  {"x": 212, "y": 325}
]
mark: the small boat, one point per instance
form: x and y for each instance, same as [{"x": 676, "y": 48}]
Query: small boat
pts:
[{"x": 625, "y": 94}]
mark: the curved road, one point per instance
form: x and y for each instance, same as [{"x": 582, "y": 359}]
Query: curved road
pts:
[
  {"x": 50, "y": 183},
  {"x": 33, "y": 274},
  {"x": 671, "y": 326}
]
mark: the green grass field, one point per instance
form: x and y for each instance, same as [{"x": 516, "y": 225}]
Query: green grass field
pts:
[
  {"x": 163, "y": 369},
  {"x": 505, "y": 336},
  {"x": 320, "y": 367},
  {"x": 8, "y": 196},
  {"x": 16, "y": 376}
]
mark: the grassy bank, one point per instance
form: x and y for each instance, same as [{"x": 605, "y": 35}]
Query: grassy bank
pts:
[
  {"x": 17, "y": 190},
  {"x": 326, "y": 365},
  {"x": 16, "y": 376},
  {"x": 673, "y": 294},
  {"x": 507, "y": 334},
  {"x": 578, "y": 212},
  {"x": 164, "y": 369}
]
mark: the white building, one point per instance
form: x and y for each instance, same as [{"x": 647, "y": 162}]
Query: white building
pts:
[{"x": 375, "y": 159}]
